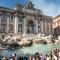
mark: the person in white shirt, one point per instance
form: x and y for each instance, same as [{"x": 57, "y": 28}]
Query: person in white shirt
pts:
[
  {"x": 54, "y": 57},
  {"x": 48, "y": 57},
  {"x": 59, "y": 54}
]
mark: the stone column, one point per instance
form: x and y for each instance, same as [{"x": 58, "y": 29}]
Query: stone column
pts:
[
  {"x": 24, "y": 26},
  {"x": 8, "y": 25},
  {"x": 42, "y": 27},
  {"x": 0, "y": 23},
  {"x": 45, "y": 28},
  {"x": 49, "y": 26},
  {"x": 16, "y": 25},
  {"x": 36, "y": 26}
]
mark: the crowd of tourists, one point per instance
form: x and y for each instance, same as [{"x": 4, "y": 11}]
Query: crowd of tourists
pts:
[{"x": 53, "y": 55}]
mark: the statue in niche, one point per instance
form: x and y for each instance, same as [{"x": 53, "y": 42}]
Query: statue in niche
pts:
[{"x": 30, "y": 5}]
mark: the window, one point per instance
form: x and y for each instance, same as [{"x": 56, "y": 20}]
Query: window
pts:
[
  {"x": 10, "y": 27},
  {"x": 3, "y": 27},
  {"x": 20, "y": 28},
  {"x": 3, "y": 36},
  {"x": 20, "y": 18},
  {"x": 11, "y": 17},
  {"x": 4, "y": 16},
  {"x": 39, "y": 29}
]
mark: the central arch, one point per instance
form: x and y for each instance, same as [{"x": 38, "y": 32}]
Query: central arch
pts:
[{"x": 30, "y": 26}]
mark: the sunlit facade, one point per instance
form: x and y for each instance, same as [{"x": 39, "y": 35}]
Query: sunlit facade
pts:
[
  {"x": 24, "y": 19},
  {"x": 56, "y": 25}
]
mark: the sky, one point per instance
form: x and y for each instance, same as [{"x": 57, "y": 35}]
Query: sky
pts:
[{"x": 49, "y": 7}]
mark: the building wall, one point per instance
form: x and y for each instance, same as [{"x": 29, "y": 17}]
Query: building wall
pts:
[
  {"x": 56, "y": 25},
  {"x": 47, "y": 25},
  {"x": 16, "y": 22}
]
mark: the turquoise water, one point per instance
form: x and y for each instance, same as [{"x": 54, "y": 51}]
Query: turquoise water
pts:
[{"x": 30, "y": 50}]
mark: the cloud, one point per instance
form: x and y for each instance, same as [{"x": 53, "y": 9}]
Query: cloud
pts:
[{"x": 48, "y": 8}]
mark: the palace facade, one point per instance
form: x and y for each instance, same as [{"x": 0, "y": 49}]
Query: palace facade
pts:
[
  {"x": 56, "y": 25},
  {"x": 24, "y": 19}
]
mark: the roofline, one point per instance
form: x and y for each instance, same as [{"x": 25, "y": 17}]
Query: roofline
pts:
[
  {"x": 56, "y": 17},
  {"x": 48, "y": 16},
  {"x": 6, "y": 8}
]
